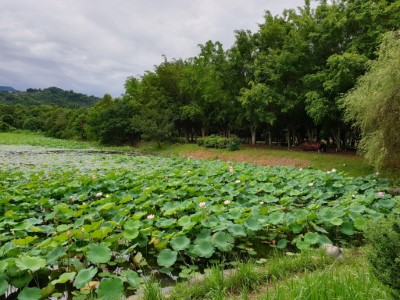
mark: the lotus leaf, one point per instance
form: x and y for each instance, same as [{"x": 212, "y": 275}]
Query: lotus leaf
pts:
[
  {"x": 204, "y": 248},
  {"x": 64, "y": 278},
  {"x": 30, "y": 294},
  {"x": 276, "y": 217},
  {"x": 223, "y": 241},
  {"x": 167, "y": 258},
  {"x": 98, "y": 253},
  {"x": 133, "y": 279},
  {"x": 24, "y": 262},
  {"x": 311, "y": 238},
  {"x": 386, "y": 203},
  {"x": 84, "y": 276},
  {"x": 110, "y": 289},
  {"x": 55, "y": 254},
  {"x": 282, "y": 244},
  {"x": 3, "y": 284},
  {"x": 347, "y": 228},
  {"x": 130, "y": 234},
  {"x": 237, "y": 230},
  {"x": 180, "y": 243},
  {"x": 252, "y": 224}
]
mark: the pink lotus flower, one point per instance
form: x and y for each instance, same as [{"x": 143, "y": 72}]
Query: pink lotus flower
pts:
[
  {"x": 151, "y": 216},
  {"x": 231, "y": 169},
  {"x": 202, "y": 204},
  {"x": 380, "y": 194},
  {"x": 237, "y": 181},
  {"x": 226, "y": 202}
]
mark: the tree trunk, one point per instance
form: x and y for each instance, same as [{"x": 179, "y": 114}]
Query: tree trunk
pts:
[
  {"x": 269, "y": 138},
  {"x": 288, "y": 138},
  {"x": 186, "y": 136},
  {"x": 337, "y": 138},
  {"x": 203, "y": 132},
  {"x": 253, "y": 136}
]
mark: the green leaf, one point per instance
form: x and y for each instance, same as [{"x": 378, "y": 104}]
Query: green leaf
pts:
[
  {"x": 347, "y": 228},
  {"x": 167, "y": 258},
  {"x": 55, "y": 254},
  {"x": 180, "y": 243},
  {"x": 3, "y": 284},
  {"x": 24, "y": 262},
  {"x": 25, "y": 241},
  {"x": 30, "y": 294},
  {"x": 84, "y": 277},
  {"x": 64, "y": 278},
  {"x": 237, "y": 230},
  {"x": 282, "y": 244},
  {"x": 110, "y": 289},
  {"x": 223, "y": 241},
  {"x": 386, "y": 203},
  {"x": 98, "y": 253},
  {"x": 204, "y": 248},
  {"x": 311, "y": 238},
  {"x": 130, "y": 234},
  {"x": 252, "y": 224},
  {"x": 276, "y": 217},
  {"x": 336, "y": 221},
  {"x": 133, "y": 279},
  {"x": 302, "y": 245},
  {"x": 360, "y": 223}
]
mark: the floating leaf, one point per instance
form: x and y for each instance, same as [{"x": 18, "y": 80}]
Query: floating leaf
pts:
[
  {"x": 25, "y": 241},
  {"x": 223, "y": 241},
  {"x": 252, "y": 224},
  {"x": 336, "y": 221},
  {"x": 204, "y": 248},
  {"x": 110, "y": 289},
  {"x": 276, "y": 217},
  {"x": 98, "y": 253},
  {"x": 180, "y": 243},
  {"x": 3, "y": 284},
  {"x": 282, "y": 244},
  {"x": 84, "y": 276},
  {"x": 237, "y": 230},
  {"x": 64, "y": 278},
  {"x": 167, "y": 258},
  {"x": 24, "y": 262},
  {"x": 130, "y": 234},
  {"x": 347, "y": 228},
  {"x": 55, "y": 254},
  {"x": 133, "y": 279},
  {"x": 386, "y": 203},
  {"x": 311, "y": 238},
  {"x": 30, "y": 294}
]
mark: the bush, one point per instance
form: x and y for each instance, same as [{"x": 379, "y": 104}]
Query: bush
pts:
[
  {"x": 4, "y": 127},
  {"x": 215, "y": 141},
  {"x": 384, "y": 256}
]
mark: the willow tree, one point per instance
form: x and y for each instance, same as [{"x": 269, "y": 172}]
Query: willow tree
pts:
[{"x": 374, "y": 106}]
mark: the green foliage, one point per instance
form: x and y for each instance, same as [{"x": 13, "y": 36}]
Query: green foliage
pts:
[
  {"x": 374, "y": 106},
  {"x": 384, "y": 239},
  {"x": 48, "y": 96},
  {"x": 215, "y": 141}
]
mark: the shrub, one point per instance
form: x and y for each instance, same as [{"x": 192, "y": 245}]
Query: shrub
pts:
[
  {"x": 215, "y": 141},
  {"x": 384, "y": 256}
]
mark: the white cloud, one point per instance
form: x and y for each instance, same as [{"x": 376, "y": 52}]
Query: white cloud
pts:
[{"x": 92, "y": 46}]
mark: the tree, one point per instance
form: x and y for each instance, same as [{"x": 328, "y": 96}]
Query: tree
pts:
[{"x": 374, "y": 106}]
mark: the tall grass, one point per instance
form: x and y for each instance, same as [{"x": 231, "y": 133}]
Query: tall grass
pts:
[{"x": 340, "y": 283}]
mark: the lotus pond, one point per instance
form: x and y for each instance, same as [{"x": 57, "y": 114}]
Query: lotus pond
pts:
[{"x": 97, "y": 224}]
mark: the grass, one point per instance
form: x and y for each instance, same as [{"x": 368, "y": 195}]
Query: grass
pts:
[
  {"x": 38, "y": 139},
  {"x": 309, "y": 275},
  {"x": 349, "y": 163}
]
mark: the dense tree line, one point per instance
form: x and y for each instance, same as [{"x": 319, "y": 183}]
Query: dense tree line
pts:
[
  {"x": 284, "y": 83},
  {"x": 49, "y": 96}
]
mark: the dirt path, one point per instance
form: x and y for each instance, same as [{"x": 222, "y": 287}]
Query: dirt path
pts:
[{"x": 239, "y": 157}]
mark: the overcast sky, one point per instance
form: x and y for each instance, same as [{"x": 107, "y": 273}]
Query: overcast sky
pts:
[{"x": 92, "y": 46}]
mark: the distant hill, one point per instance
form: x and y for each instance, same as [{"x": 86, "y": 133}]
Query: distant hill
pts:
[
  {"x": 49, "y": 96},
  {"x": 7, "y": 89}
]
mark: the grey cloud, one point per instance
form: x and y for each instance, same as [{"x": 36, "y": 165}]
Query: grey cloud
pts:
[{"x": 92, "y": 46}]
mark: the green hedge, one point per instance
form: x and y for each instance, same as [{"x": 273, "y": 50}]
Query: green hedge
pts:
[{"x": 216, "y": 141}]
